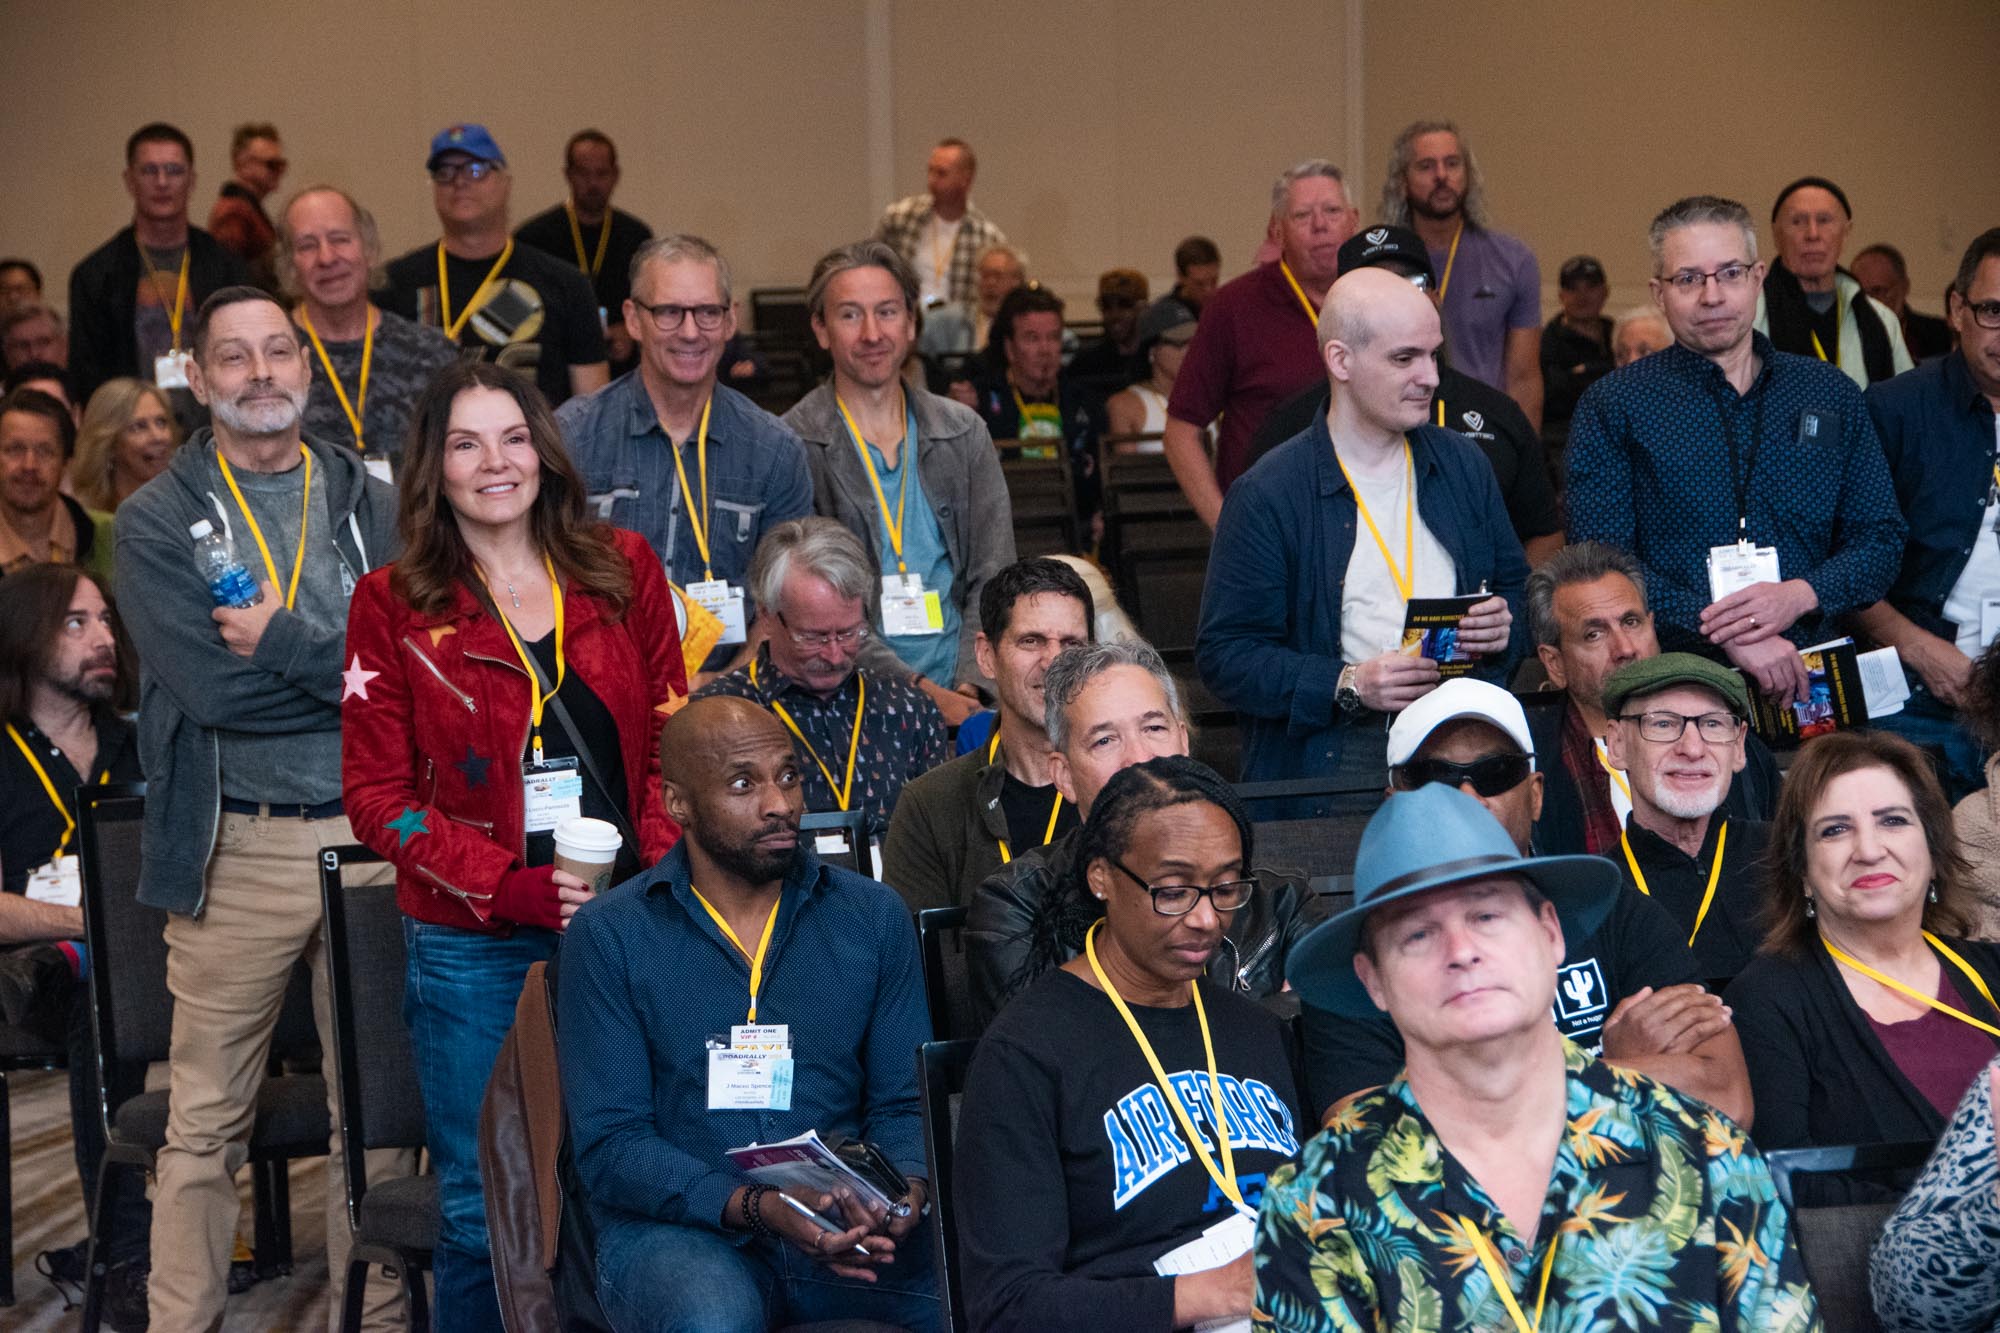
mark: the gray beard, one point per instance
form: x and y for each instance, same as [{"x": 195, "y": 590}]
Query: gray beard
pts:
[
  {"x": 264, "y": 418},
  {"x": 1691, "y": 806}
]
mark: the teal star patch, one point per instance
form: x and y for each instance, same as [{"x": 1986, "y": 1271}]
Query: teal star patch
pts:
[{"x": 408, "y": 825}]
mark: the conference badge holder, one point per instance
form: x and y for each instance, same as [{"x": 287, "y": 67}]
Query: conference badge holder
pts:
[
  {"x": 170, "y": 371},
  {"x": 1738, "y": 565},
  {"x": 751, "y": 1070},
  {"x": 724, "y": 601},
  {"x": 551, "y": 792},
  {"x": 907, "y": 609}
]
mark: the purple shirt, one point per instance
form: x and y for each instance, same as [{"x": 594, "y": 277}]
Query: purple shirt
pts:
[
  {"x": 1494, "y": 286},
  {"x": 1937, "y": 1053}
]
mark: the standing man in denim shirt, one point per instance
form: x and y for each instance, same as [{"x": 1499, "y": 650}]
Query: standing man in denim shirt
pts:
[
  {"x": 694, "y": 467},
  {"x": 1939, "y": 433}
]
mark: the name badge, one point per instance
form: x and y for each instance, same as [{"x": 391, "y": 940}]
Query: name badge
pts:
[
  {"x": 907, "y": 609},
  {"x": 1736, "y": 566},
  {"x": 59, "y": 882},
  {"x": 749, "y": 1081},
  {"x": 551, "y": 792},
  {"x": 724, "y": 601},
  {"x": 170, "y": 371},
  {"x": 378, "y": 467}
]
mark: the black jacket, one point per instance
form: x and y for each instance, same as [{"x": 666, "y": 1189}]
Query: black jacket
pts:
[
  {"x": 103, "y": 298},
  {"x": 1018, "y": 927},
  {"x": 1792, "y": 322}
]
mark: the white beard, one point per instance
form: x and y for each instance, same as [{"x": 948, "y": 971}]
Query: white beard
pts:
[
  {"x": 262, "y": 418},
  {"x": 1691, "y": 805}
]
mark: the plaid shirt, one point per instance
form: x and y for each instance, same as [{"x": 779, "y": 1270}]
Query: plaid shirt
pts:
[{"x": 905, "y": 222}]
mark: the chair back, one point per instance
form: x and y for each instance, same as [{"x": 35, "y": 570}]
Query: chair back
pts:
[
  {"x": 1311, "y": 849},
  {"x": 1300, "y": 798},
  {"x": 130, "y": 1007},
  {"x": 947, "y": 981},
  {"x": 1835, "y": 1240},
  {"x": 941, "y": 1067},
  {"x": 375, "y": 1067},
  {"x": 841, "y": 836}
]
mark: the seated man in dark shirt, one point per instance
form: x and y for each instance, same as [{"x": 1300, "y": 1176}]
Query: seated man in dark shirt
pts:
[
  {"x": 1473, "y": 408},
  {"x": 1576, "y": 345},
  {"x": 792, "y": 1002},
  {"x": 1030, "y": 401},
  {"x": 1632, "y": 989},
  {"x": 1678, "y": 724},
  {"x": 1108, "y": 363},
  {"x": 63, "y": 675}
]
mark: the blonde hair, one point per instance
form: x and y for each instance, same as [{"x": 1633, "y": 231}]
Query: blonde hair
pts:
[{"x": 110, "y": 411}]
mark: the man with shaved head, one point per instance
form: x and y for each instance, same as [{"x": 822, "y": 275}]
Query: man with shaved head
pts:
[
  {"x": 743, "y": 991},
  {"x": 1325, "y": 542}
]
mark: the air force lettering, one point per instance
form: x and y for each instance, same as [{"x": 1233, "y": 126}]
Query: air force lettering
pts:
[{"x": 1146, "y": 1143}]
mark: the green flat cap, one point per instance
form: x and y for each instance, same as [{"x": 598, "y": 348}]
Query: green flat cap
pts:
[{"x": 1650, "y": 675}]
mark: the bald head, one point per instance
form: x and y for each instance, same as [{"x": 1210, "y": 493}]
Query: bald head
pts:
[
  {"x": 732, "y": 783},
  {"x": 1379, "y": 337},
  {"x": 698, "y": 741},
  {"x": 1356, "y": 305}
]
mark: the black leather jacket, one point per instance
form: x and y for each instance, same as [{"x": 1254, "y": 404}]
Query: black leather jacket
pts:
[{"x": 1015, "y": 929}]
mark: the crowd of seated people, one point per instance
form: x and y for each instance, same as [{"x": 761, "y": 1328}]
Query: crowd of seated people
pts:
[{"x": 463, "y": 565}]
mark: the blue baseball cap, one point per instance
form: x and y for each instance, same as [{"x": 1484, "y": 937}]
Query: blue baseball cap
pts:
[
  {"x": 1432, "y": 838},
  {"x": 472, "y": 140}
]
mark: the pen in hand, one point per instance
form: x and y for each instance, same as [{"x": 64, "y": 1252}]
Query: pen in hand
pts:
[{"x": 823, "y": 1223}]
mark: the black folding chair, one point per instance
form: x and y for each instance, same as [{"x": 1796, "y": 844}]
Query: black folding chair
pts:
[
  {"x": 20, "y": 1051},
  {"x": 941, "y": 1067},
  {"x": 941, "y": 938},
  {"x": 381, "y": 1102},
  {"x": 851, "y": 828},
  {"x": 1836, "y": 1239},
  {"x": 131, "y": 1011}
]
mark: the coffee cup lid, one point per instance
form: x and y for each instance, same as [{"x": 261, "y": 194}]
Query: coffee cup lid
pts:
[{"x": 588, "y": 834}]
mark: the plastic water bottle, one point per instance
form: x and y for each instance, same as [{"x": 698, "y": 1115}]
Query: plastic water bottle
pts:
[{"x": 228, "y": 581}]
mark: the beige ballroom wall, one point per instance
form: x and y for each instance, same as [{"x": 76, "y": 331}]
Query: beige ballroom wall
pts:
[{"x": 1107, "y": 129}]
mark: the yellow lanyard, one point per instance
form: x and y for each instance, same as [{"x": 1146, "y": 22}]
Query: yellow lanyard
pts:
[
  {"x": 1491, "y": 1263},
  {"x": 1048, "y": 834},
  {"x": 1405, "y": 582},
  {"x": 1312, "y": 315},
  {"x": 536, "y": 698},
  {"x": 1978, "y": 982},
  {"x": 894, "y": 526},
  {"x": 1440, "y": 413},
  {"x": 756, "y": 959},
  {"x": 697, "y": 521},
  {"x": 1444, "y": 284},
  {"x": 1616, "y": 776},
  {"x": 845, "y": 789},
  {"x": 305, "y": 517},
  {"x": 452, "y": 327},
  {"x": 1714, "y": 874},
  {"x": 590, "y": 266},
  {"x": 55, "y": 798},
  {"x": 1225, "y": 1178},
  {"x": 1819, "y": 350},
  {"x": 360, "y": 404},
  {"x": 180, "y": 292}
]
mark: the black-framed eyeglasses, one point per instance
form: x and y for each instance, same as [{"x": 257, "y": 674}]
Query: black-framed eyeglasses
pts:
[
  {"x": 668, "y": 318},
  {"x": 448, "y": 173},
  {"x": 1179, "y": 899},
  {"x": 1491, "y": 776},
  {"x": 1986, "y": 314},
  {"x": 1691, "y": 281},
  {"x": 1664, "y": 728},
  {"x": 846, "y": 638}
]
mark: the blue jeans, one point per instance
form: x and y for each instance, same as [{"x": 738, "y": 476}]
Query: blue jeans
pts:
[
  {"x": 1930, "y": 725},
  {"x": 656, "y": 1277},
  {"x": 460, "y": 989}
]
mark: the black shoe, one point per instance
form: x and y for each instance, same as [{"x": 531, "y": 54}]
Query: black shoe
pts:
[
  {"x": 242, "y": 1275},
  {"x": 125, "y": 1295},
  {"x": 35, "y": 983},
  {"x": 66, "y": 1270}
]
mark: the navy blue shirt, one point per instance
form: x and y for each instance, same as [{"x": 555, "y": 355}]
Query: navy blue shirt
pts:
[
  {"x": 1937, "y": 434},
  {"x": 1650, "y": 473},
  {"x": 646, "y": 979},
  {"x": 756, "y": 475},
  {"x": 1268, "y": 642}
]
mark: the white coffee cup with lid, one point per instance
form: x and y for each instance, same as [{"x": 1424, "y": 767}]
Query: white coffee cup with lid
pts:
[{"x": 588, "y": 848}]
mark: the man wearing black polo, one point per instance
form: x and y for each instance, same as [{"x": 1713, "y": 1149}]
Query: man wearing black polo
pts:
[{"x": 600, "y": 240}]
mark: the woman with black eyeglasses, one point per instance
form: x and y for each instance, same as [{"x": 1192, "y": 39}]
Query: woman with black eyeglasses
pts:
[{"x": 1087, "y": 1146}]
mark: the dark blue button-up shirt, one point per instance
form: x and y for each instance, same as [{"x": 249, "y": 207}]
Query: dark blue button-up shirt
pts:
[
  {"x": 756, "y": 475},
  {"x": 1937, "y": 433},
  {"x": 1269, "y": 639},
  {"x": 1650, "y": 472},
  {"x": 646, "y": 979}
]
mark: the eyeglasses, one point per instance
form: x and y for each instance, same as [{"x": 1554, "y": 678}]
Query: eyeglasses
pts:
[
  {"x": 1491, "y": 776},
  {"x": 1664, "y": 728},
  {"x": 450, "y": 173},
  {"x": 171, "y": 171},
  {"x": 846, "y": 638},
  {"x": 1179, "y": 899},
  {"x": 1728, "y": 277},
  {"x": 667, "y": 318},
  {"x": 1986, "y": 314}
]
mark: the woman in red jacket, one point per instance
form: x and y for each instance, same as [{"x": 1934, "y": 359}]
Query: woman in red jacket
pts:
[{"x": 457, "y": 762}]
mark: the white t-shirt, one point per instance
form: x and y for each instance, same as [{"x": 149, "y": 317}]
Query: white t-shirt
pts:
[
  {"x": 1371, "y": 606},
  {"x": 934, "y": 259},
  {"x": 1980, "y": 579}
]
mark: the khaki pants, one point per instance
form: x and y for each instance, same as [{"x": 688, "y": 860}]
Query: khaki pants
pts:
[{"x": 227, "y": 970}]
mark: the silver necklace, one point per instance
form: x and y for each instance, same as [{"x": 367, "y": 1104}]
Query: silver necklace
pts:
[{"x": 515, "y": 595}]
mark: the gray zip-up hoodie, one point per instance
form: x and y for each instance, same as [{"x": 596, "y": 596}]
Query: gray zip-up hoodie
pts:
[{"x": 191, "y": 685}]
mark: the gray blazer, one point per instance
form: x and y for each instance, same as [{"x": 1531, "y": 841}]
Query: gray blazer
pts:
[{"x": 962, "y": 480}]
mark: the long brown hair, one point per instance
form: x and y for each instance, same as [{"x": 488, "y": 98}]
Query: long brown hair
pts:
[
  {"x": 434, "y": 556},
  {"x": 1820, "y": 761},
  {"x": 33, "y": 604}
]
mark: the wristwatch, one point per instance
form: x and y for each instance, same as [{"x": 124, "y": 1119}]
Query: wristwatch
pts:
[{"x": 1348, "y": 693}]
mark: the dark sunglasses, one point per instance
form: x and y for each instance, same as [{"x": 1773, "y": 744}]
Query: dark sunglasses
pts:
[{"x": 1491, "y": 776}]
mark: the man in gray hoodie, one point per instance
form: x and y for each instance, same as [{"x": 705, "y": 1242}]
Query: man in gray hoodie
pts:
[{"x": 239, "y": 736}]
